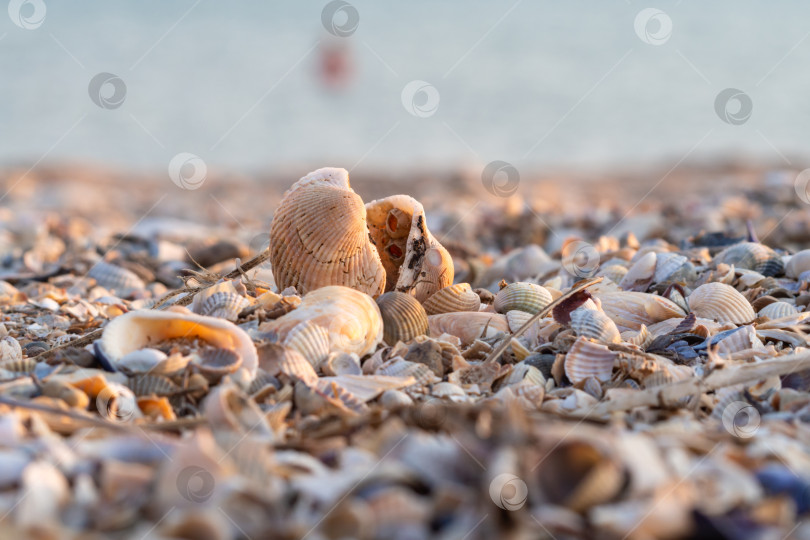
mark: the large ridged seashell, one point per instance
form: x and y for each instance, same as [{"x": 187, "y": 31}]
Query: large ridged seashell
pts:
[
  {"x": 458, "y": 297},
  {"x": 142, "y": 328},
  {"x": 640, "y": 275},
  {"x": 351, "y": 318},
  {"x": 722, "y": 303},
  {"x": 403, "y": 317},
  {"x": 522, "y": 296},
  {"x": 467, "y": 326},
  {"x": 629, "y": 310},
  {"x": 319, "y": 237},
  {"x": 798, "y": 264},
  {"x": 594, "y": 324},
  {"x": 414, "y": 261},
  {"x": 777, "y": 310},
  {"x": 119, "y": 280},
  {"x": 587, "y": 358},
  {"x": 276, "y": 359},
  {"x": 752, "y": 256}
]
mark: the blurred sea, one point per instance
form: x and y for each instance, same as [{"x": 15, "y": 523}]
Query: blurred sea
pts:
[{"x": 537, "y": 84}]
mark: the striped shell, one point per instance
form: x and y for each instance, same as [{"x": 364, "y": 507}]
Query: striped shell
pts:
[
  {"x": 397, "y": 367},
  {"x": 798, "y": 264},
  {"x": 414, "y": 261},
  {"x": 403, "y": 317},
  {"x": 629, "y": 310},
  {"x": 119, "y": 280},
  {"x": 742, "y": 338},
  {"x": 458, "y": 297},
  {"x": 467, "y": 326},
  {"x": 319, "y": 237},
  {"x": 523, "y": 296},
  {"x": 309, "y": 339},
  {"x": 722, "y": 303},
  {"x": 276, "y": 359},
  {"x": 594, "y": 324},
  {"x": 215, "y": 363},
  {"x": 752, "y": 256},
  {"x": 777, "y": 310},
  {"x": 144, "y": 385},
  {"x": 587, "y": 358},
  {"x": 224, "y": 305},
  {"x": 639, "y": 276},
  {"x": 671, "y": 267},
  {"x": 350, "y": 317}
]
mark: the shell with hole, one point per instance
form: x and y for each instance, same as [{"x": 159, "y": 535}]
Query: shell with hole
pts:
[
  {"x": 752, "y": 256},
  {"x": 403, "y": 317},
  {"x": 350, "y": 317},
  {"x": 141, "y": 328},
  {"x": 522, "y": 296},
  {"x": 722, "y": 303},
  {"x": 414, "y": 261},
  {"x": 319, "y": 237},
  {"x": 458, "y": 297}
]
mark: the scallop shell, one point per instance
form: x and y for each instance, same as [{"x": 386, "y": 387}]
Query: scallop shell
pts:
[
  {"x": 640, "y": 275},
  {"x": 138, "y": 329},
  {"x": 414, "y": 261},
  {"x": 594, "y": 324},
  {"x": 777, "y": 310},
  {"x": 752, "y": 256},
  {"x": 319, "y": 237},
  {"x": 467, "y": 326},
  {"x": 641, "y": 338},
  {"x": 522, "y": 296},
  {"x": 742, "y": 338},
  {"x": 629, "y": 310},
  {"x": 351, "y": 318},
  {"x": 143, "y": 385},
  {"x": 587, "y": 358},
  {"x": 458, "y": 297},
  {"x": 798, "y": 264},
  {"x": 403, "y": 317},
  {"x": 722, "y": 303},
  {"x": 119, "y": 280}
]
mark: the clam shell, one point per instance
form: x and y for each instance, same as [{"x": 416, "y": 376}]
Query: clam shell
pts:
[
  {"x": 369, "y": 387},
  {"x": 594, "y": 324},
  {"x": 742, "y": 338},
  {"x": 467, "y": 326},
  {"x": 522, "y": 296},
  {"x": 224, "y": 305},
  {"x": 275, "y": 359},
  {"x": 587, "y": 358},
  {"x": 722, "y": 303},
  {"x": 458, "y": 297},
  {"x": 403, "y": 317},
  {"x": 350, "y": 317},
  {"x": 319, "y": 237},
  {"x": 777, "y": 310},
  {"x": 629, "y": 310},
  {"x": 144, "y": 385},
  {"x": 119, "y": 280},
  {"x": 414, "y": 261},
  {"x": 752, "y": 256},
  {"x": 640, "y": 275},
  {"x": 798, "y": 264},
  {"x": 309, "y": 339},
  {"x": 138, "y": 329}
]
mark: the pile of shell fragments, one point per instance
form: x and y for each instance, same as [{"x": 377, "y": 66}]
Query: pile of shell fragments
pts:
[{"x": 356, "y": 380}]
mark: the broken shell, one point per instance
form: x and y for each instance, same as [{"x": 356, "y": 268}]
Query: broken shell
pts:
[
  {"x": 722, "y": 303},
  {"x": 319, "y": 237},
  {"x": 138, "y": 329},
  {"x": 341, "y": 363},
  {"x": 397, "y": 367},
  {"x": 671, "y": 267},
  {"x": 414, "y": 261},
  {"x": 458, "y": 297},
  {"x": 68, "y": 393},
  {"x": 594, "y": 324},
  {"x": 522, "y": 296},
  {"x": 752, "y": 256},
  {"x": 587, "y": 358},
  {"x": 119, "y": 280},
  {"x": 468, "y": 326},
  {"x": 403, "y": 317},
  {"x": 640, "y": 275},
  {"x": 228, "y": 409},
  {"x": 777, "y": 310},
  {"x": 629, "y": 310}
]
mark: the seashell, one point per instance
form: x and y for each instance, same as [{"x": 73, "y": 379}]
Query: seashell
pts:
[
  {"x": 224, "y": 305},
  {"x": 395, "y": 399},
  {"x": 414, "y": 261},
  {"x": 797, "y": 264},
  {"x": 342, "y": 364},
  {"x": 21, "y": 365},
  {"x": 613, "y": 272},
  {"x": 319, "y": 237},
  {"x": 777, "y": 310},
  {"x": 350, "y": 317},
  {"x": 156, "y": 408},
  {"x": 468, "y": 326},
  {"x": 752, "y": 256},
  {"x": 368, "y": 387},
  {"x": 142, "y": 360},
  {"x": 458, "y": 297},
  {"x": 322, "y": 398},
  {"x": 722, "y": 303},
  {"x": 519, "y": 350},
  {"x": 403, "y": 317},
  {"x": 119, "y": 280},
  {"x": 228, "y": 409},
  {"x": 215, "y": 363},
  {"x": 673, "y": 268},
  {"x": 524, "y": 373},
  {"x": 519, "y": 264},
  {"x": 311, "y": 340},
  {"x": 68, "y": 393},
  {"x": 262, "y": 385},
  {"x": 522, "y": 296},
  {"x": 448, "y": 390},
  {"x": 144, "y": 385},
  {"x": 641, "y": 338},
  {"x": 275, "y": 359},
  {"x": 10, "y": 350},
  {"x": 138, "y": 329},
  {"x": 587, "y": 358},
  {"x": 629, "y": 310},
  {"x": 594, "y": 324},
  {"x": 640, "y": 275},
  {"x": 397, "y": 367}
]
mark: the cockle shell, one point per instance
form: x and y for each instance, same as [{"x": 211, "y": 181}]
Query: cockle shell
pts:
[
  {"x": 311, "y": 340},
  {"x": 752, "y": 256},
  {"x": 587, "y": 358},
  {"x": 397, "y": 367},
  {"x": 319, "y": 237},
  {"x": 594, "y": 324},
  {"x": 414, "y": 261},
  {"x": 467, "y": 326},
  {"x": 141, "y": 328},
  {"x": 722, "y": 303},
  {"x": 522, "y": 296},
  {"x": 797, "y": 264},
  {"x": 458, "y": 297},
  {"x": 224, "y": 305},
  {"x": 351, "y": 318},
  {"x": 777, "y": 310},
  {"x": 119, "y": 280},
  {"x": 629, "y": 310},
  {"x": 403, "y": 317},
  {"x": 215, "y": 363}
]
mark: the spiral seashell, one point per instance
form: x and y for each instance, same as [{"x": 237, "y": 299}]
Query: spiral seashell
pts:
[
  {"x": 342, "y": 364},
  {"x": 752, "y": 256},
  {"x": 119, "y": 280},
  {"x": 319, "y": 237},
  {"x": 414, "y": 261},
  {"x": 350, "y": 317},
  {"x": 467, "y": 326},
  {"x": 224, "y": 305},
  {"x": 458, "y": 297},
  {"x": 522, "y": 296},
  {"x": 640, "y": 275},
  {"x": 722, "y": 303},
  {"x": 798, "y": 264},
  {"x": 777, "y": 310},
  {"x": 629, "y": 310},
  {"x": 403, "y": 317},
  {"x": 594, "y": 324},
  {"x": 138, "y": 329},
  {"x": 587, "y": 358}
]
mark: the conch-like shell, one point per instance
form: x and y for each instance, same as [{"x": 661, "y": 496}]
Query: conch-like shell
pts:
[
  {"x": 522, "y": 296},
  {"x": 351, "y": 318},
  {"x": 722, "y": 303},
  {"x": 458, "y": 297},
  {"x": 414, "y": 261},
  {"x": 752, "y": 256},
  {"x": 403, "y": 317},
  {"x": 586, "y": 359},
  {"x": 142, "y": 328},
  {"x": 319, "y": 237}
]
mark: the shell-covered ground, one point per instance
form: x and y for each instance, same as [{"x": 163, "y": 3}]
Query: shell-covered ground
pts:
[{"x": 620, "y": 357}]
